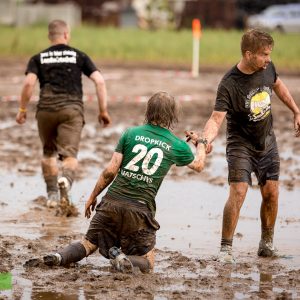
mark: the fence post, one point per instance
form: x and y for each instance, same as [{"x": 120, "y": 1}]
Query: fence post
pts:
[{"x": 196, "y": 27}]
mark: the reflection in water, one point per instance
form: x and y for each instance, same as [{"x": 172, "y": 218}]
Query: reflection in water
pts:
[
  {"x": 37, "y": 294},
  {"x": 265, "y": 282},
  {"x": 53, "y": 296}
]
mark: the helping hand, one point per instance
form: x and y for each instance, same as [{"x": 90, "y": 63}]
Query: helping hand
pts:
[{"x": 192, "y": 136}]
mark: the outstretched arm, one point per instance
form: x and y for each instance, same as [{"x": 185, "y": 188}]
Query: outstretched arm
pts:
[
  {"x": 198, "y": 163},
  {"x": 106, "y": 177},
  {"x": 213, "y": 125},
  {"x": 26, "y": 94},
  {"x": 284, "y": 95},
  {"x": 101, "y": 93}
]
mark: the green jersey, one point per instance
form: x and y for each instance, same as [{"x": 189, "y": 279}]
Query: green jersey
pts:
[{"x": 148, "y": 153}]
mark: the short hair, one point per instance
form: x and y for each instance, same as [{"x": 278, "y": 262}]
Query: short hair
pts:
[
  {"x": 254, "y": 40},
  {"x": 56, "y": 28},
  {"x": 162, "y": 110}
]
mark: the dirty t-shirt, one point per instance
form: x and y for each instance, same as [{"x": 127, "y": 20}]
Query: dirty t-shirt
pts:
[
  {"x": 59, "y": 69},
  {"x": 148, "y": 153},
  {"x": 247, "y": 101}
]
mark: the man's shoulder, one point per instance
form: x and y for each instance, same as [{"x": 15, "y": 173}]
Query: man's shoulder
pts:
[{"x": 230, "y": 74}]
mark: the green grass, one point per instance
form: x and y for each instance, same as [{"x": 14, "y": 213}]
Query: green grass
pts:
[{"x": 218, "y": 48}]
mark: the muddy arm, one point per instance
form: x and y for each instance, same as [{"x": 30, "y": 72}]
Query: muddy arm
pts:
[
  {"x": 26, "y": 94},
  {"x": 106, "y": 177},
  {"x": 198, "y": 163},
  {"x": 284, "y": 95},
  {"x": 101, "y": 93},
  {"x": 213, "y": 125}
]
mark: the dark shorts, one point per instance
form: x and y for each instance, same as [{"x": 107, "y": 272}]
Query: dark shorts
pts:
[
  {"x": 127, "y": 224},
  {"x": 242, "y": 161},
  {"x": 60, "y": 132}
]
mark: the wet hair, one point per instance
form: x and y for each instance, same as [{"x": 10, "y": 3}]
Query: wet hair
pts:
[
  {"x": 254, "y": 40},
  {"x": 56, "y": 28},
  {"x": 162, "y": 110}
]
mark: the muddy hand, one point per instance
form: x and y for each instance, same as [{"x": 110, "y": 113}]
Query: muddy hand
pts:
[
  {"x": 208, "y": 148},
  {"x": 297, "y": 124},
  {"x": 104, "y": 118},
  {"x": 90, "y": 206},
  {"x": 21, "y": 117},
  {"x": 191, "y": 136}
]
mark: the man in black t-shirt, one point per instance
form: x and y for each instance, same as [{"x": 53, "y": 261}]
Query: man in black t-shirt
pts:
[
  {"x": 244, "y": 97},
  {"x": 60, "y": 114}
]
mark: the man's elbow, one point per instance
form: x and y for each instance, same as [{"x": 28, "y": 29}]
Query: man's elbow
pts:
[
  {"x": 28, "y": 86},
  {"x": 97, "y": 78},
  {"x": 108, "y": 176}
]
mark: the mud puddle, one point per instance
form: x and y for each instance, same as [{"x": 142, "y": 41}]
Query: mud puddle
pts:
[{"x": 190, "y": 215}]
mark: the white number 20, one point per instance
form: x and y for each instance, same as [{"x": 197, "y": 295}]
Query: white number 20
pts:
[{"x": 141, "y": 151}]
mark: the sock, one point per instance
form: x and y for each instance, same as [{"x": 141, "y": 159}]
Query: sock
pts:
[
  {"x": 226, "y": 242},
  {"x": 69, "y": 174},
  {"x": 72, "y": 253},
  {"x": 51, "y": 183},
  {"x": 267, "y": 234}
]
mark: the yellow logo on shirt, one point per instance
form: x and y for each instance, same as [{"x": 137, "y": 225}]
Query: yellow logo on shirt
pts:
[{"x": 260, "y": 106}]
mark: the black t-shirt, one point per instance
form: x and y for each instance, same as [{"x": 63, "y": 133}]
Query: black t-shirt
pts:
[
  {"x": 59, "y": 69},
  {"x": 247, "y": 101}
]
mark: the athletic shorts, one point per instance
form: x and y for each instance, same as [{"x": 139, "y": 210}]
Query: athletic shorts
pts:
[
  {"x": 126, "y": 224},
  {"x": 242, "y": 161},
  {"x": 60, "y": 132}
]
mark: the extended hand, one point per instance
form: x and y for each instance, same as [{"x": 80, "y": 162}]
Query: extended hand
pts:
[
  {"x": 209, "y": 148},
  {"x": 192, "y": 136},
  {"x": 90, "y": 206},
  {"x": 104, "y": 118}
]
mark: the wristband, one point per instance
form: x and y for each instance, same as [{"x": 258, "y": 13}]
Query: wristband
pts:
[
  {"x": 22, "y": 110},
  {"x": 202, "y": 141}
]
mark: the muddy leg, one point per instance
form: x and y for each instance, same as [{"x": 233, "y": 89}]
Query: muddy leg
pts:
[
  {"x": 145, "y": 263},
  {"x": 69, "y": 167},
  {"x": 232, "y": 210},
  {"x": 50, "y": 172},
  {"x": 76, "y": 252},
  {"x": 269, "y": 205}
]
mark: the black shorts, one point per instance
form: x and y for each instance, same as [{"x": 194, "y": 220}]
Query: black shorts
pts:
[
  {"x": 60, "y": 132},
  {"x": 127, "y": 224},
  {"x": 242, "y": 161}
]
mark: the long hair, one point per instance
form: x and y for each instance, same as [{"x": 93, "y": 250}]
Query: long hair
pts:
[
  {"x": 162, "y": 110},
  {"x": 254, "y": 39},
  {"x": 56, "y": 28}
]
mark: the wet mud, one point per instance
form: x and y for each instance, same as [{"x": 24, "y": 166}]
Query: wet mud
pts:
[{"x": 189, "y": 206}]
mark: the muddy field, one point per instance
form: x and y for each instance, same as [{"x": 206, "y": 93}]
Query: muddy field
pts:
[{"x": 189, "y": 206}]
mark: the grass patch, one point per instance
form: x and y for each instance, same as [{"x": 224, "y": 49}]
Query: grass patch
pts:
[{"x": 218, "y": 48}]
